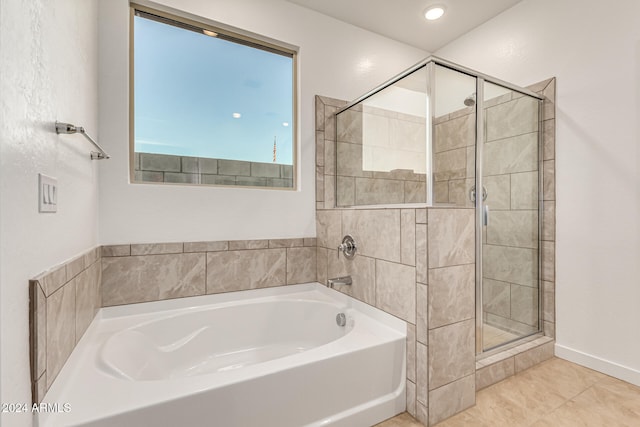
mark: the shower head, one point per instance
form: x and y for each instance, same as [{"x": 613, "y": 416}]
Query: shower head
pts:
[{"x": 470, "y": 100}]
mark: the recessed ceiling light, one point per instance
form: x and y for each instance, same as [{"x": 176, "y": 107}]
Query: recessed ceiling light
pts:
[
  {"x": 434, "y": 12},
  {"x": 210, "y": 33},
  {"x": 236, "y": 115}
]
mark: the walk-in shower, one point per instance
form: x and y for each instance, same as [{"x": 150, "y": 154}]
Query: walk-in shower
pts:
[{"x": 434, "y": 136}]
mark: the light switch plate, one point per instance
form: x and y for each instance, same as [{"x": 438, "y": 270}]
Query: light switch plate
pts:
[{"x": 47, "y": 194}]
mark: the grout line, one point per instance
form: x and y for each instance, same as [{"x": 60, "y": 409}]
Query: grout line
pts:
[
  {"x": 206, "y": 273},
  {"x": 571, "y": 399},
  {"x": 451, "y": 382},
  {"x": 286, "y": 266},
  {"x": 514, "y": 247},
  {"x": 449, "y": 266},
  {"x": 511, "y": 137},
  {"x": 451, "y": 324}
]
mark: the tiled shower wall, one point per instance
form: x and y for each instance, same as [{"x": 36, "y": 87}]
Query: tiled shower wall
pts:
[
  {"x": 511, "y": 175},
  {"x": 512, "y": 227},
  {"x": 454, "y": 157},
  {"x": 393, "y": 272},
  {"x": 510, "y": 168},
  {"x": 382, "y": 157}
]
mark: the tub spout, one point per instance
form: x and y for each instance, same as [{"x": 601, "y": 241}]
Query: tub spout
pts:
[{"x": 344, "y": 280}]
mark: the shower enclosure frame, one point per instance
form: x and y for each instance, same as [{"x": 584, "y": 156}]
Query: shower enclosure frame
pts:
[{"x": 429, "y": 63}]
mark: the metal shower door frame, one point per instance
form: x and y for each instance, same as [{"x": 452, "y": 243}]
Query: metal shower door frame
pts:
[
  {"x": 480, "y": 214},
  {"x": 481, "y": 79}
]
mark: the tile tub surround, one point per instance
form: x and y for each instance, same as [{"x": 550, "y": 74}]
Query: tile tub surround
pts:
[
  {"x": 63, "y": 302},
  {"x": 65, "y": 299},
  {"x": 164, "y": 168},
  {"x": 151, "y": 272},
  {"x": 392, "y": 255},
  {"x": 391, "y": 272}
]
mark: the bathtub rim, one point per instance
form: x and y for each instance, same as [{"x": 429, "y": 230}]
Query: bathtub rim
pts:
[{"x": 232, "y": 298}]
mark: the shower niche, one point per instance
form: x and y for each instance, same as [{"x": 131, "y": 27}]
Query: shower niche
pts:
[{"x": 442, "y": 135}]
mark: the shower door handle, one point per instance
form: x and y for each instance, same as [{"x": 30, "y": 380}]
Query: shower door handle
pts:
[
  {"x": 472, "y": 193},
  {"x": 485, "y": 216}
]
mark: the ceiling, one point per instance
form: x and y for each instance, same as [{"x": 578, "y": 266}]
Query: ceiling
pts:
[{"x": 403, "y": 20}]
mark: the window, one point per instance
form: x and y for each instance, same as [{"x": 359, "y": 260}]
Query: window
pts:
[{"x": 210, "y": 107}]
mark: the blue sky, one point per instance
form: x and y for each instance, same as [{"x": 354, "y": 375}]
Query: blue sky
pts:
[{"x": 189, "y": 85}]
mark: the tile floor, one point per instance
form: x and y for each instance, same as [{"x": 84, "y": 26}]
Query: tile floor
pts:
[{"x": 555, "y": 393}]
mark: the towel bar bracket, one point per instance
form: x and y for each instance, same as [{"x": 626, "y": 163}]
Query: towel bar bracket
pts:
[{"x": 69, "y": 129}]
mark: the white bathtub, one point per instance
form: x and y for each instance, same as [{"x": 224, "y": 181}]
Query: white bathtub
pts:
[{"x": 268, "y": 357}]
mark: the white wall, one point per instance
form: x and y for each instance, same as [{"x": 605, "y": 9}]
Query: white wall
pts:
[
  {"x": 335, "y": 59},
  {"x": 49, "y": 71},
  {"x": 595, "y": 55}
]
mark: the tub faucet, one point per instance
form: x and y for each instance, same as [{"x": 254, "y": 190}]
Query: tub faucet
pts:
[{"x": 344, "y": 280}]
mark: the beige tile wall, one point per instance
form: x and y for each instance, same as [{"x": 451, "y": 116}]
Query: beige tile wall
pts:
[
  {"x": 151, "y": 272},
  {"x": 382, "y": 157},
  {"x": 392, "y": 257},
  {"x": 454, "y": 157},
  {"x": 434, "y": 294},
  {"x": 390, "y": 270},
  {"x": 63, "y": 302},
  {"x": 451, "y": 313}
]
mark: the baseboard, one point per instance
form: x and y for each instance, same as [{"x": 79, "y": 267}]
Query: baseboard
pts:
[{"x": 613, "y": 369}]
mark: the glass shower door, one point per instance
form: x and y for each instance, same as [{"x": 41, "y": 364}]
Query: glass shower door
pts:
[{"x": 509, "y": 215}]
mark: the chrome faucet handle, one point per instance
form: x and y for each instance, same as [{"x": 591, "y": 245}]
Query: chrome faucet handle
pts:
[{"x": 347, "y": 247}]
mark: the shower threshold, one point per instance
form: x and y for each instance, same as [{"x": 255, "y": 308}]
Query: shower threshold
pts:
[{"x": 509, "y": 359}]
